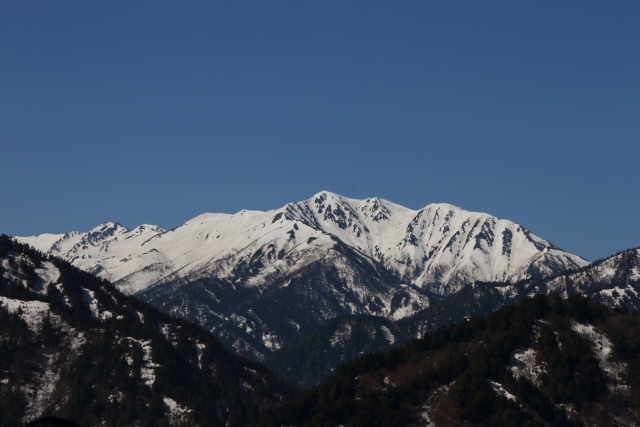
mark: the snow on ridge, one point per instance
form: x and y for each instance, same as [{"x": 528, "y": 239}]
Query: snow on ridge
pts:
[{"x": 40, "y": 242}]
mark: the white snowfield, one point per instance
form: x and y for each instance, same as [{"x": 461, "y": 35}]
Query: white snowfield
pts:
[{"x": 440, "y": 247}]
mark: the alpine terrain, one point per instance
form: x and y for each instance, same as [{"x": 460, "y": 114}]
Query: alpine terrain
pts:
[{"x": 260, "y": 279}]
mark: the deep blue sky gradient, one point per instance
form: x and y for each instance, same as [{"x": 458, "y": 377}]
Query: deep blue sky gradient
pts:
[{"x": 154, "y": 112}]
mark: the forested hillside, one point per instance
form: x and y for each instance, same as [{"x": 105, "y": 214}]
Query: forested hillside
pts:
[
  {"x": 307, "y": 361},
  {"x": 72, "y": 346},
  {"x": 545, "y": 361}
]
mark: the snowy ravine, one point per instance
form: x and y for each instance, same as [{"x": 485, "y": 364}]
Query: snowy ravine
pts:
[{"x": 240, "y": 275}]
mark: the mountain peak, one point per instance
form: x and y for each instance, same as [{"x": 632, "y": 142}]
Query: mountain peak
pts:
[{"x": 109, "y": 228}]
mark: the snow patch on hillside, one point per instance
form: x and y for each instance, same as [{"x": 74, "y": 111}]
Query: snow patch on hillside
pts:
[
  {"x": 387, "y": 334},
  {"x": 431, "y": 406},
  {"x": 176, "y": 413},
  {"x": 147, "y": 370},
  {"x": 271, "y": 341},
  {"x": 634, "y": 274},
  {"x": 88, "y": 297},
  {"x": 602, "y": 347},
  {"x": 617, "y": 295},
  {"x": 32, "y": 312},
  {"x": 506, "y": 291},
  {"x": 523, "y": 363},
  {"x": 340, "y": 336},
  {"x": 47, "y": 274},
  {"x": 500, "y": 391}
]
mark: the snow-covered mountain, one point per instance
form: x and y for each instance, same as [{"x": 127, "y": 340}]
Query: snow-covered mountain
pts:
[
  {"x": 438, "y": 248},
  {"x": 277, "y": 274}
]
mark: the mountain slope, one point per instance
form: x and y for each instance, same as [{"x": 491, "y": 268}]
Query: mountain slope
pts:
[
  {"x": 259, "y": 279},
  {"x": 309, "y": 360},
  {"x": 545, "y": 361},
  {"x": 71, "y": 345},
  {"x": 613, "y": 281}
]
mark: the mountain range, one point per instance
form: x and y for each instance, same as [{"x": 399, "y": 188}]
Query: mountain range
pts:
[
  {"x": 258, "y": 280},
  {"x": 72, "y": 345}
]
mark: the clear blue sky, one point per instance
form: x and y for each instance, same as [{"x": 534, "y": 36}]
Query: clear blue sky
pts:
[{"x": 154, "y": 112}]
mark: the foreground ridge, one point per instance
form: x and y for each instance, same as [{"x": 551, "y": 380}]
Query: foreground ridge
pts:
[
  {"x": 73, "y": 346},
  {"x": 545, "y": 361}
]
